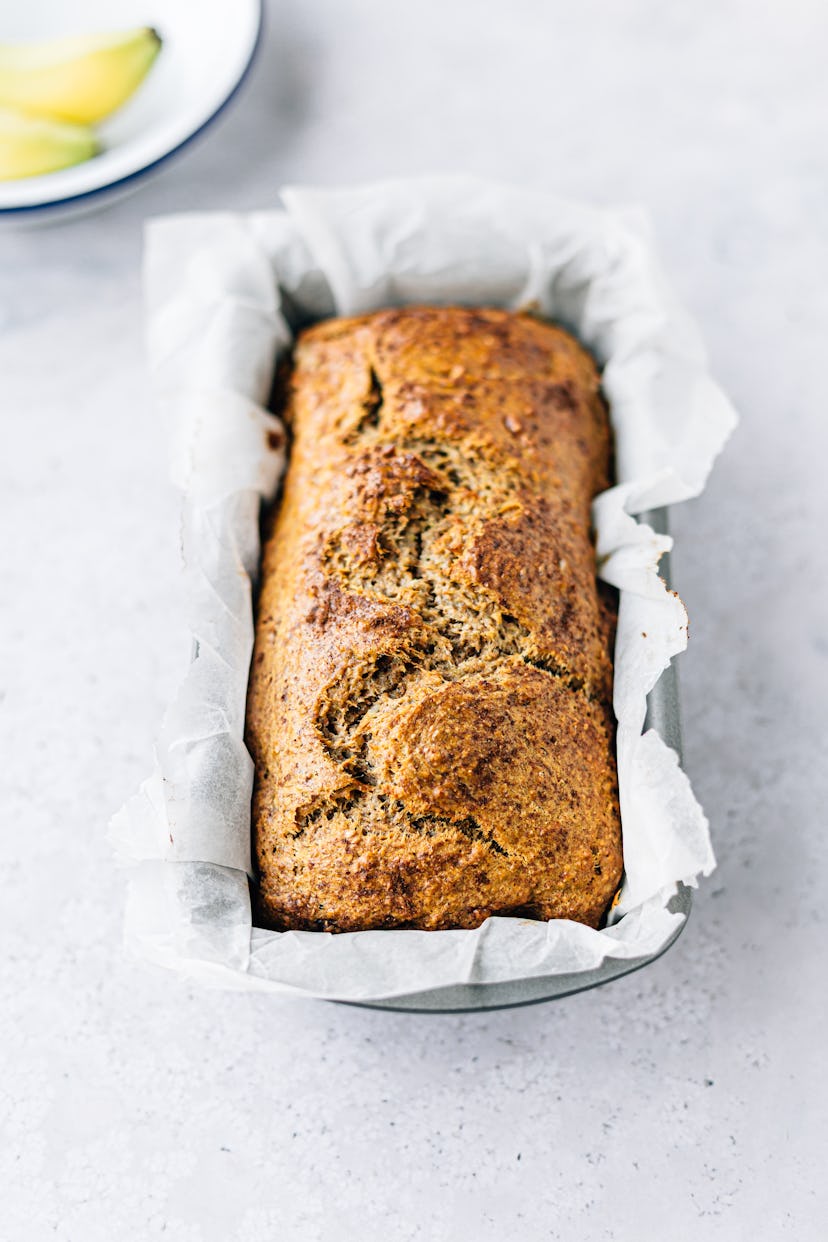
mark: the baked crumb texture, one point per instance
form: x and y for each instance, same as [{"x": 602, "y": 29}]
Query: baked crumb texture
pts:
[{"x": 429, "y": 703}]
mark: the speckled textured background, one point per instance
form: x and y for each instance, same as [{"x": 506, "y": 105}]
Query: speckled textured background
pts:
[{"x": 686, "y": 1101}]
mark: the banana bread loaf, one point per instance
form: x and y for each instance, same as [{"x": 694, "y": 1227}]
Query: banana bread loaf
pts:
[{"x": 429, "y": 702}]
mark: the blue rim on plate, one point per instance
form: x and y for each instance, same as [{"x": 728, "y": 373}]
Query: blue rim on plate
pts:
[{"x": 85, "y": 195}]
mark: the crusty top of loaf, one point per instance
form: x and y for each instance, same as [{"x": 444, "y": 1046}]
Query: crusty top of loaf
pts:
[{"x": 429, "y": 697}]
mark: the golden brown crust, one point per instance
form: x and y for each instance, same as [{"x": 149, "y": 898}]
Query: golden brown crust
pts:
[{"x": 428, "y": 708}]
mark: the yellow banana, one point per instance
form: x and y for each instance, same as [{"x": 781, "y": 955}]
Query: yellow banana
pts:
[
  {"x": 79, "y": 79},
  {"x": 30, "y": 146}
]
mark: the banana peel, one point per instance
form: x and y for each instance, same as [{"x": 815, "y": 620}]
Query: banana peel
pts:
[
  {"x": 31, "y": 146},
  {"x": 80, "y": 79}
]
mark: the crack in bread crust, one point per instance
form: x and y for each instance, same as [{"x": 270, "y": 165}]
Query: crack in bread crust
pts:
[{"x": 464, "y": 630}]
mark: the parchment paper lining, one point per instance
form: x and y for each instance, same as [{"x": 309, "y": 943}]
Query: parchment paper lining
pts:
[{"x": 225, "y": 293}]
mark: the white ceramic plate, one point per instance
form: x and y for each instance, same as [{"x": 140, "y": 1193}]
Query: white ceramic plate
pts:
[{"x": 208, "y": 46}]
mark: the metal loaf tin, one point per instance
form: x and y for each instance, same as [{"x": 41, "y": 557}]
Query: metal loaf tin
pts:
[{"x": 663, "y": 715}]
